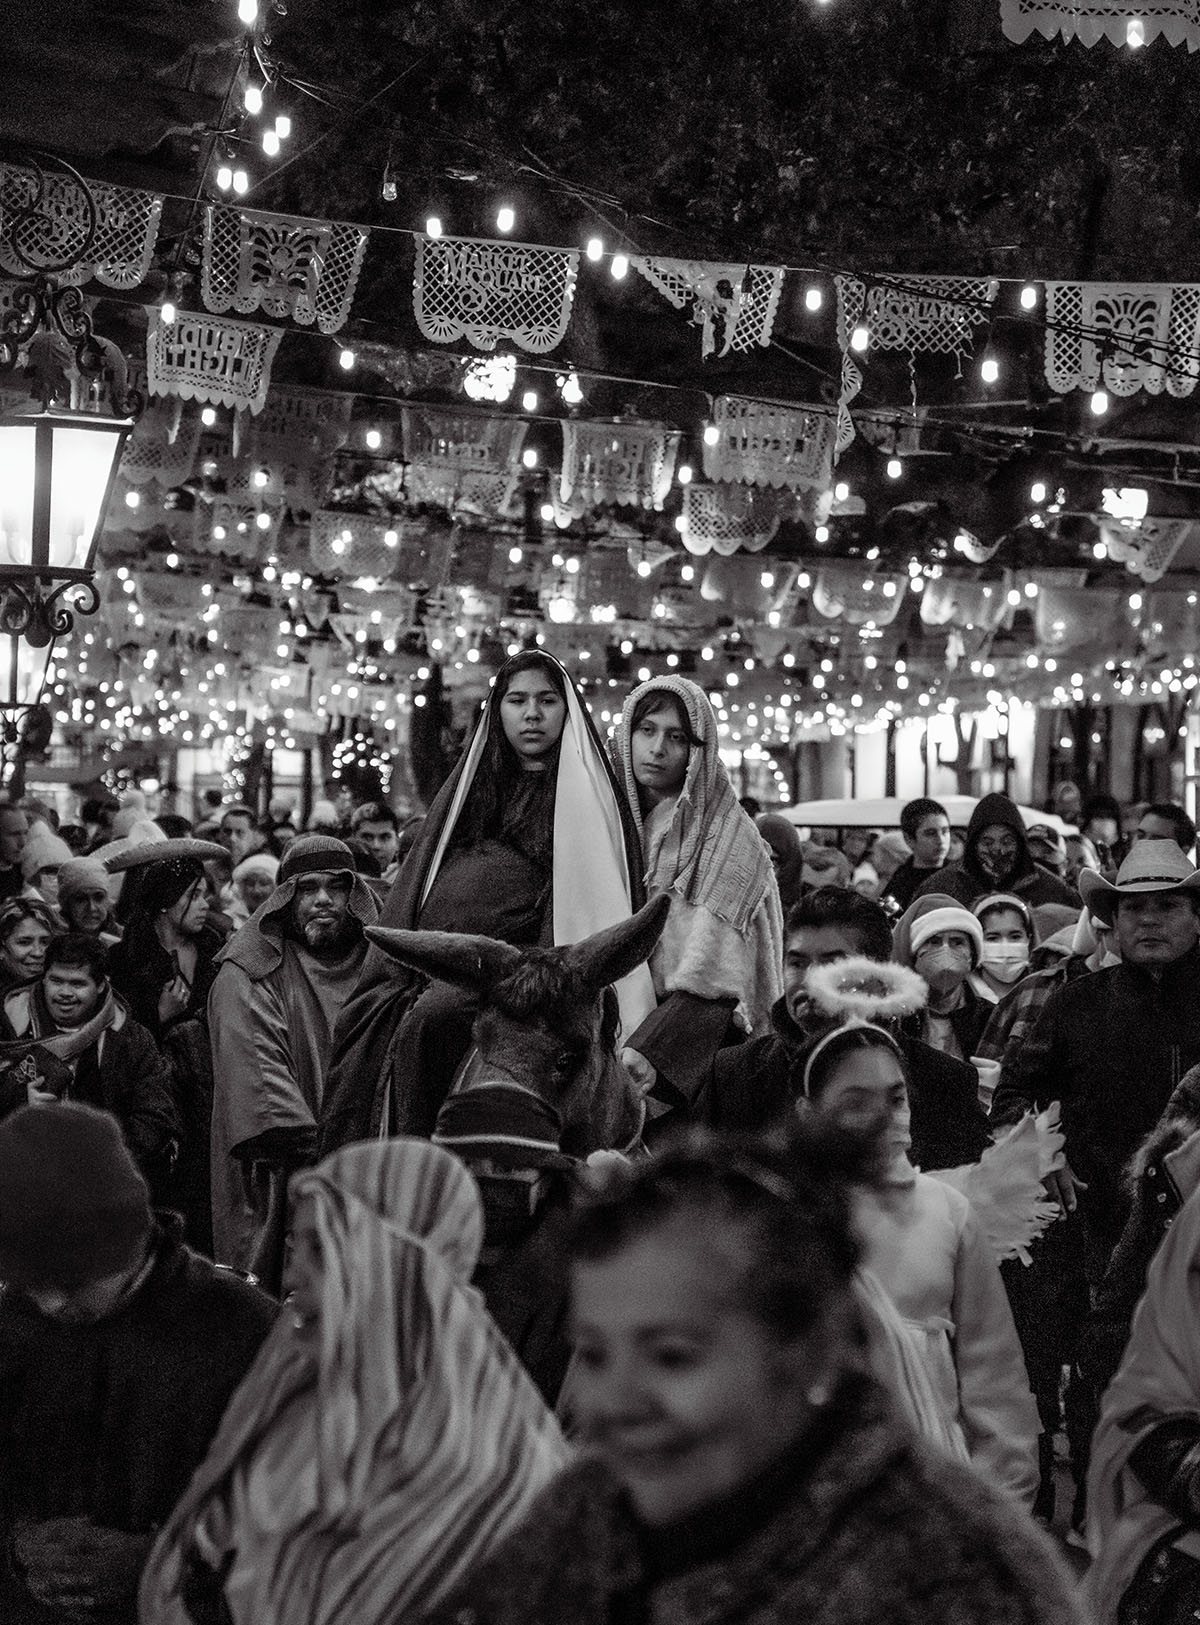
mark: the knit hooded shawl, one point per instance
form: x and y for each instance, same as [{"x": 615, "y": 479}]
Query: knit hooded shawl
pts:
[{"x": 712, "y": 854}]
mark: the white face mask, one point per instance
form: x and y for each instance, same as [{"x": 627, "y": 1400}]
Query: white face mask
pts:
[
  {"x": 1004, "y": 960},
  {"x": 944, "y": 968}
]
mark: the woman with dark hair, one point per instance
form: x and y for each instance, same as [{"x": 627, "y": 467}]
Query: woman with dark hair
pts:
[
  {"x": 26, "y": 926},
  {"x": 743, "y": 1466},
  {"x": 529, "y": 841},
  {"x": 718, "y": 965}
]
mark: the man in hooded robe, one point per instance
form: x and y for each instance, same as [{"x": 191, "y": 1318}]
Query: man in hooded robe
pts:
[{"x": 281, "y": 983}]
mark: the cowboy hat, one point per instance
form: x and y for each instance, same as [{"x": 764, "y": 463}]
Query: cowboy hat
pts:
[
  {"x": 118, "y": 856},
  {"x": 1152, "y": 866}
]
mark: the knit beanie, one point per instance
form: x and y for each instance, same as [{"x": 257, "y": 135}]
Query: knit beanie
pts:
[
  {"x": 925, "y": 918},
  {"x": 258, "y": 863},
  {"x": 1006, "y": 899},
  {"x": 315, "y": 854},
  {"x": 73, "y": 1206},
  {"x": 80, "y": 875},
  {"x": 43, "y": 850}
]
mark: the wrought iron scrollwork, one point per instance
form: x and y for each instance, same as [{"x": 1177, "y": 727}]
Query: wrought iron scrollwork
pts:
[{"x": 39, "y": 617}]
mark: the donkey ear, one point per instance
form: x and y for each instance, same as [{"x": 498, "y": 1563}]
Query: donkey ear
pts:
[
  {"x": 612, "y": 954},
  {"x": 470, "y": 962}
]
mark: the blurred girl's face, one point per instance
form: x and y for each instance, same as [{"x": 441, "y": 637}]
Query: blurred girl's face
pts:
[
  {"x": 25, "y": 948},
  {"x": 533, "y": 714},
  {"x": 255, "y": 888},
  {"x": 659, "y": 751},
  {"x": 866, "y": 1093},
  {"x": 685, "y": 1393}
]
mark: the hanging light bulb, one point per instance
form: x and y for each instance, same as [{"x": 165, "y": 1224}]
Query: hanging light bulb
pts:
[
  {"x": 270, "y": 143},
  {"x": 1135, "y": 33},
  {"x": 167, "y": 313},
  {"x": 813, "y": 299},
  {"x": 711, "y": 434},
  {"x": 433, "y": 226},
  {"x": 506, "y": 218},
  {"x": 529, "y": 400},
  {"x": 1099, "y": 403},
  {"x": 283, "y": 125},
  {"x": 619, "y": 267},
  {"x": 894, "y": 468},
  {"x": 530, "y": 457},
  {"x": 595, "y": 248},
  {"x": 1029, "y": 297},
  {"x": 248, "y": 12},
  {"x": 989, "y": 369},
  {"x": 225, "y": 177},
  {"x": 860, "y": 339},
  {"x": 241, "y": 182},
  {"x": 389, "y": 189},
  {"x": 684, "y": 473},
  {"x": 254, "y": 99},
  {"x": 1037, "y": 491},
  {"x": 346, "y": 359}
]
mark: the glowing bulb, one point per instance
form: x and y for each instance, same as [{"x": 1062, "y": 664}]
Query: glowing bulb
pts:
[
  {"x": 813, "y": 299},
  {"x": 373, "y": 439},
  {"x": 263, "y": 521},
  {"x": 132, "y": 500},
  {"x": 225, "y": 177},
  {"x": 529, "y": 401},
  {"x": 711, "y": 434},
  {"x": 1037, "y": 491},
  {"x": 241, "y": 182},
  {"x": 261, "y": 479},
  {"x": 515, "y": 555},
  {"x": 547, "y": 512},
  {"x": 684, "y": 473},
  {"x": 860, "y": 338},
  {"x": 1029, "y": 297},
  {"x": 346, "y": 359},
  {"x": 595, "y": 248},
  {"x": 619, "y": 267},
  {"x": 1135, "y": 33},
  {"x": 270, "y": 143},
  {"x": 1099, "y": 403},
  {"x": 506, "y": 219},
  {"x": 248, "y": 12},
  {"x": 283, "y": 126},
  {"x": 989, "y": 369},
  {"x": 168, "y": 312},
  {"x": 530, "y": 457},
  {"x": 570, "y": 389},
  {"x": 894, "y": 468},
  {"x": 208, "y": 417},
  {"x": 841, "y": 492},
  {"x": 254, "y": 99},
  {"x": 433, "y": 226}
]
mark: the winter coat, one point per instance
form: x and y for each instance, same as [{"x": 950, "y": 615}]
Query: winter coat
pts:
[
  {"x": 1111, "y": 1046},
  {"x": 873, "y": 1531},
  {"x": 753, "y": 1084},
  {"x": 110, "y": 1420},
  {"x": 967, "y": 1023},
  {"x": 123, "y": 1073},
  {"x": 905, "y": 882},
  {"x": 965, "y": 881}
]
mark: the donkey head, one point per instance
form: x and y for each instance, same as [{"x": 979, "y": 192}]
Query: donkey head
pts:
[{"x": 547, "y": 1016}]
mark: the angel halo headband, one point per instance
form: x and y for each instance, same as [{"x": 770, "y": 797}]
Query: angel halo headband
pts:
[{"x": 860, "y": 993}]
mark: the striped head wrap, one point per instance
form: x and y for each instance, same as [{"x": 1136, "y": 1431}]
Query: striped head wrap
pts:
[{"x": 431, "y": 1441}]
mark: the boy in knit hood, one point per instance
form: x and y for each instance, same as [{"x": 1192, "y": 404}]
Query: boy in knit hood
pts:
[{"x": 997, "y": 859}]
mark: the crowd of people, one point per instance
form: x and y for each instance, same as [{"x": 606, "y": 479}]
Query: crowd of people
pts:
[{"x": 589, "y": 1202}]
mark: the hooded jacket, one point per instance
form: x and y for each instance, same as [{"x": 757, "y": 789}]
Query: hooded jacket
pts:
[
  {"x": 966, "y": 881},
  {"x": 754, "y": 1084}
]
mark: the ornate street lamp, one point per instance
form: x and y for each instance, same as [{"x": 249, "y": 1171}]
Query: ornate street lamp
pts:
[{"x": 57, "y": 465}]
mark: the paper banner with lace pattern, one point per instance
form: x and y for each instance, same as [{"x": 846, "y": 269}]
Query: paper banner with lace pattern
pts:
[
  {"x": 627, "y": 464},
  {"x": 1071, "y": 618},
  {"x": 1145, "y": 547},
  {"x": 210, "y": 358},
  {"x": 1126, "y": 336},
  {"x": 287, "y": 266},
  {"x": 231, "y": 529},
  {"x": 724, "y": 518},
  {"x": 32, "y": 238},
  {"x": 1090, "y": 21},
  {"x": 741, "y": 299},
  {"x": 163, "y": 445},
  {"x": 761, "y": 444},
  {"x": 481, "y": 291},
  {"x": 962, "y": 602},
  {"x": 851, "y": 594},
  {"x": 293, "y": 445},
  {"x": 461, "y": 460},
  {"x": 358, "y": 545}
]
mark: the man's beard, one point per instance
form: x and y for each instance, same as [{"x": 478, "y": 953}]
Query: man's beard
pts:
[{"x": 331, "y": 938}]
